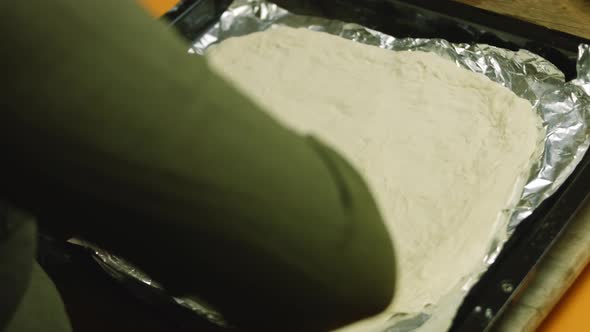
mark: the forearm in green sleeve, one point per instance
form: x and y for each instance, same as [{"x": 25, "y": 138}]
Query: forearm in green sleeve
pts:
[
  {"x": 40, "y": 308},
  {"x": 17, "y": 253},
  {"x": 115, "y": 134}
]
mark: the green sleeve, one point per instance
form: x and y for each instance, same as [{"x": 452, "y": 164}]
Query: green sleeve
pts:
[
  {"x": 40, "y": 308},
  {"x": 116, "y": 135},
  {"x": 17, "y": 252},
  {"x": 29, "y": 301}
]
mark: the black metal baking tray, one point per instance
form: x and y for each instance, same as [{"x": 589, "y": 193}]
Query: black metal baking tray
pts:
[{"x": 456, "y": 22}]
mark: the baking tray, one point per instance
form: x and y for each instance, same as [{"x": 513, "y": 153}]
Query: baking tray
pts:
[
  {"x": 460, "y": 23},
  {"x": 510, "y": 273}
]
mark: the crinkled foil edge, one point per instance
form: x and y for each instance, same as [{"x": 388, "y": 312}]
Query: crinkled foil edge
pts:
[{"x": 563, "y": 106}]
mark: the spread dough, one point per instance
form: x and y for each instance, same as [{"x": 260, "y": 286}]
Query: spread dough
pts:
[{"x": 441, "y": 147}]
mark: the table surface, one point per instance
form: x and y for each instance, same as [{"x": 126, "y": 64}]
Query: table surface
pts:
[
  {"x": 571, "y": 16},
  {"x": 556, "y": 275}
]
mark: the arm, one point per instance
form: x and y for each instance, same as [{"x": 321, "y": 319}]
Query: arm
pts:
[
  {"x": 116, "y": 135},
  {"x": 17, "y": 251}
]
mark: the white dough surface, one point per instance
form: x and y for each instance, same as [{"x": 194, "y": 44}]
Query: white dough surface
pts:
[{"x": 444, "y": 150}]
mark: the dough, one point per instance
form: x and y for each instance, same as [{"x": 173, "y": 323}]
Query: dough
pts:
[{"x": 442, "y": 148}]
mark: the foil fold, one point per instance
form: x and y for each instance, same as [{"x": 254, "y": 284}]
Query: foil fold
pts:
[{"x": 563, "y": 106}]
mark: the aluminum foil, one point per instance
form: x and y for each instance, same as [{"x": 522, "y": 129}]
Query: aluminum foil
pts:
[
  {"x": 563, "y": 106},
  {"x": 127, "y": 273}
]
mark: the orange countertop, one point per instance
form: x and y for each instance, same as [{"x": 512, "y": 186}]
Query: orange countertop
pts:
[
  {"x": 158, "y": 7},
  {"x": 571, "y": 313},
  {"x": 573, "y": 16}
]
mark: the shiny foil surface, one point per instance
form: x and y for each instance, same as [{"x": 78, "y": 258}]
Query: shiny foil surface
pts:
[{"x": 563, "y": 106}]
